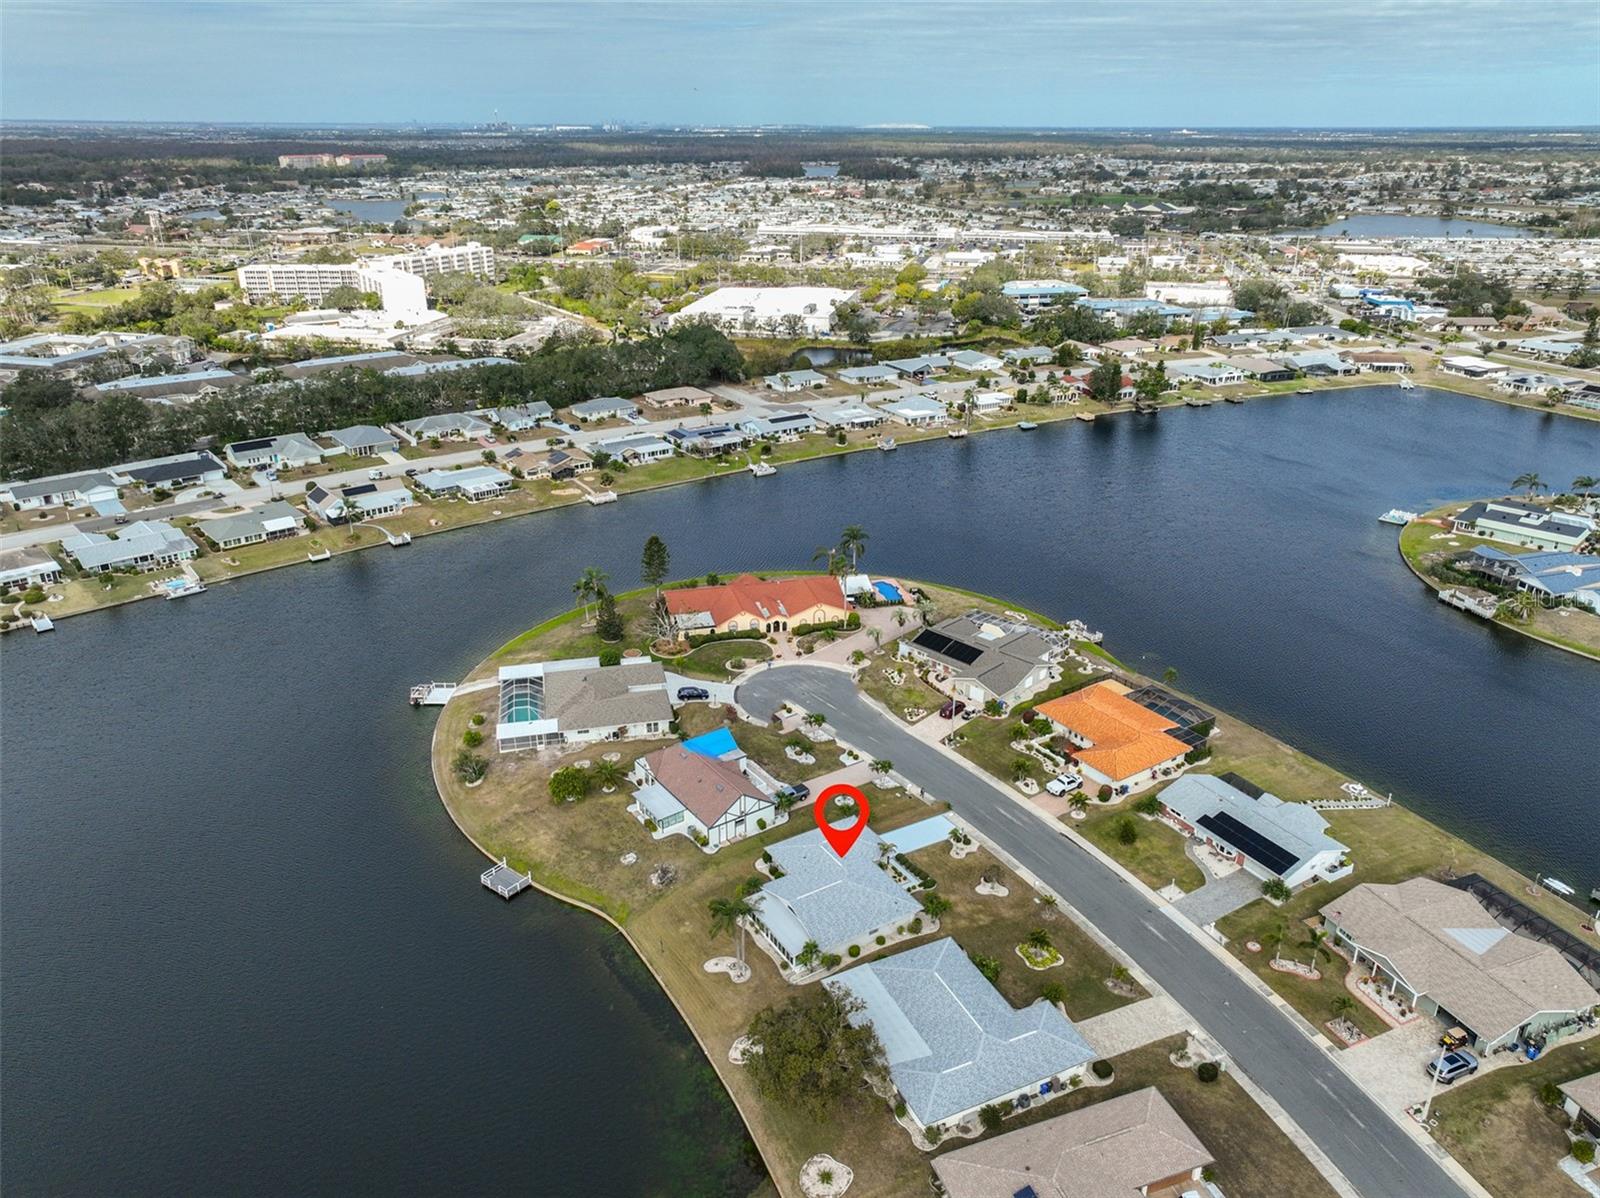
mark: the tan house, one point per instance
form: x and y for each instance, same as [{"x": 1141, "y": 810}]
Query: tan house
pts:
[
  {"x": 1125, "y": 1147},
  {"x": 751, "y": 603}
]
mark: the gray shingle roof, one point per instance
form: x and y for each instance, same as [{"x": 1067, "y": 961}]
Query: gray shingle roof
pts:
[
  {"x": 827, "y": 898},
  {"x": 952, "y": 1040}
]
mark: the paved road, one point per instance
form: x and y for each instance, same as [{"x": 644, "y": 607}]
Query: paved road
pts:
[{"x": 1378, "y": 1158}]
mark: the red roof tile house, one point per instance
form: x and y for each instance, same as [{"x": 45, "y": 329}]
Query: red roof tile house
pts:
[{"x": 751, "y": 603}]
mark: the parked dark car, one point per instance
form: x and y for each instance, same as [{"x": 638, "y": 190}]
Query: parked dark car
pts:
[
  {"x": 952, "y": 708},
  {"x": 687, "y": 694},
  {"x": 1453, "y": 1065},
  {"x": 797, "y": 791}
]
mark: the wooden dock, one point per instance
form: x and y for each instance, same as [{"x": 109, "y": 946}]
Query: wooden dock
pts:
[
  {"x": 1483, "y": 606},
  {"x": 505, "y": 881},
  {"x": 432, "y": 694}
]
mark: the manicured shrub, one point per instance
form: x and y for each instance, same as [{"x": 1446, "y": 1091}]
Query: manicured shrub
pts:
[
  {"x": 1127, "y": 830},
  {"x": 987, "y": 966},
  {"x": 1583, "y": 1151},
  {"x": 1053, "y": 992},
  {"x": 915, "y": 925},
  {"x": 855, "y": 950},
  {"x": 1102, "y": 1069},
  {"x": 1208, "y": 1071},
  {"x": 881, "y": 941},
  {"x": 831, "y": 960},
  {"x": 761, "y": 824},
  {"x": 1148, "y": 805},
  {"x": 472, "y": 738},
  {"x": 1276, "y": 890},
  {"x": 992, "y": 1116},
  {"x": 900, "y": 1109},
  {"x": 610, "y": 657},
  {"x": 1105, "y": 794},
  {"x": 478, "y": 720}
]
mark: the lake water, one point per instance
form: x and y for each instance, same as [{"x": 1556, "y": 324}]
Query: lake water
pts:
[
  {"x": 245, "y": 949},
  {"x": 1380, "y": 224},
  {"x": 384, "y": 212},
  {"x": 821, "y": 170}
]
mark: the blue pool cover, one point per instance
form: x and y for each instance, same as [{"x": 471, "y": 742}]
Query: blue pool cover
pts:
[
  {"x": 718, "y": 742},
  {"x": 889, "y": 591}
]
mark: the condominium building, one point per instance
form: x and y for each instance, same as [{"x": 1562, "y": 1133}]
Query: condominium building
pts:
[{"x": 396, "y": 278}]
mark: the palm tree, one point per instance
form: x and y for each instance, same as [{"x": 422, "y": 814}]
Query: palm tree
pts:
[
  {"x": 831, "y": 557},
  {"x": 607, "y": 773},
  {"x": 1039, "y": 938},
  {"x": 589, "y": 587},
  {"x": 727, "y": 915},
  {"x": 1342, "y": 1005},
  {"x": 1279, "y": 935},
  {"x": 1585, "y": 483},
  {"x": 1519, "y": 607},
  {"x": 853, "y": 541},
  {"x": 808, "y": 954},
  {"x": 1530, "y": 482},
  {"x": 1314, "y": 941}
]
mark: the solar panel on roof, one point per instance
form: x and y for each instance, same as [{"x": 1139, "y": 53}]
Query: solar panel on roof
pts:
[
  {"x": 1169, "y": 706},
  {"x": 1249, "y": 842},
  {"x": 937, "y": 642},
  {"x": 1242, "y": 785}
]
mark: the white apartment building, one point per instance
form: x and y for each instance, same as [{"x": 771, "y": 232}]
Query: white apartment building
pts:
[
  {"x": 1193, "y": 295},
  {"x": 397, "y": 278}
]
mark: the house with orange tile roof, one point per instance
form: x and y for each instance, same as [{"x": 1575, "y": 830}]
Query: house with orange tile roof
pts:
[
  {"x": 749, "y": 603},
  {"x": 1119, "y": 743}
]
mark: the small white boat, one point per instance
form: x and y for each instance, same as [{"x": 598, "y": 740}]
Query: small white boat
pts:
[
  {"x": 1406, "y": 384},
  {"x": 761, "y": 469},
  {"x": 1026, "y": 426},
  {"x": 886, "y": 444},
  {"x": 957, "y": 431},
  {"x": 1396, "y": 515},
  {"x": 1304, "y": 391},
  {"x": 177, "y": 588}
]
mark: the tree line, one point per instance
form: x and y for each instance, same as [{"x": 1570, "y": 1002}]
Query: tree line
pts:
[{"x": 50, "y": 428}]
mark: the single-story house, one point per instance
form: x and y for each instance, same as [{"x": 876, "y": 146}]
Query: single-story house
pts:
[
  {"x": 186, "y": 385},
  {"x": 1472, "y": 368},
  {"x": 953, "y": 1043},
  {"x": 29, "y": 566},
  {"x": 985, "y": 402},
  {"x": 765, "y": 605},
  {"x": 458, "y": 426},
  {"x": 472, "y": 483},
  {"x": 864, "y": 376},
  {"x": 1120, "y": 743},
  {"x": 1032, "y": 355},
  {"x": 922, "y": 367},
  {"x": 62, "y": 490},
  {"x": 1209, "y": 373},
  {"x": 269, "y": 522},
  {"x": 1318, "y": 363},
  {"x": 849, "y": 416},
  {"x": 579, "y": 701},
  {"x": 176, "y": 470},
  {"x": 1556, "y": 348},
  {"x": 1437, "y": 948},
  {"x": 519, "y": 418},
  {"x": 637, "y": 449},
  {"x": 974, "y": 360},
  {"x": 1518, "y": 523},
  {"x": 795, "y": 380},
  {"x": 708, "y": 440},
  {"x": 828, "y": 900},
  {"x": 1536, "y": 382},
  {"x": 1267, "y": 836},
  {"x": 1125, "y": 1147},
  {"x": 288, "y": 451},
  {"x": 780, "y": 426},
  {"x": 1263, "y": 370},
  {"x": 559, "y": 464},
  {"x": 678, "y": 397},
  {"x": 1581, "y": 1101},
  {"x": 981, "y": 657},
  {"x": 607, "y": 407},
  {"x": 1551, "y": 575},
  {"x": 144, "y": 545},
  {"x": 1380, "y": 361},
  {"x": 358, "y": 501},
  {"x": 684, "y": 792},
  {"x": 918, "y": 411},
  {"x": 380, "y": 360},
  {"x": 362, "y": 440}
]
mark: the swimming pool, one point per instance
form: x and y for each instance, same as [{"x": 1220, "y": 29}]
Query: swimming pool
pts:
[{"x": 888, "y": 591}]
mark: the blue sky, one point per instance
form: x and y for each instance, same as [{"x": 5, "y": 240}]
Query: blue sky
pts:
[{"x": 837, "y": 62}]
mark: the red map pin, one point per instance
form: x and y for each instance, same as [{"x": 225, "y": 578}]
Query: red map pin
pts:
[{"x": 842, "y": 839}]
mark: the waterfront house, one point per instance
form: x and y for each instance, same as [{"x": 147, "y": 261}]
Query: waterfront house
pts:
[
  {"x": 849, "y": 416},
  {"x": 1380, "y": 361},
  {"x": 450, "y": 426},
  {"x": 978, "y": 657},
  {"x": 1259, "y": 831},
  {"x": 472, "y": 483},
  {"x": 579, "y": 701},
  {"x": 1125, "y": 1147},
  {"x": 1119, "y": 742},
  {"x": 607, "y": 407},
  {"x": 362, "y": 440},
  {"x": 1472, "y": 368},
  {"x": 358, "y": 501},
  {"x": 1263, "y": 370},
  {"x": 559, "y": 464},
  {"x": 1552, "y": 576},
  {"x": 62, "y": 490},
  {"x": 795, "y": 380},
  {"x": 144, "y": 546},
  {"x": 751, "y": 603},
  {"x": 987, "y": 403},
  {"x": 866, "y": 376},
  {"x": 1536, "y": 382},
  {"x": 29, "y": 566},
  {"x": 175, "y": 471},
  {"x": 637, "y": 449},
  {"x": 282, "y": 452},
  {"x": 269, "y": 522},
  {"x": 780, "y": 425},
  {"x": 917, "y": 411},
  {"x": 1317, "y": 363},
  {"x": 1437, "y": 949},
  {"x": 952, "y": 1041},
  {"x": 824, "y": 899},
  {"x": 712, "y": 799},
  {"x": 1516, "y": 523},
  {"x": 1210, "y": 373},
  {"x": 708, "y": 440}
]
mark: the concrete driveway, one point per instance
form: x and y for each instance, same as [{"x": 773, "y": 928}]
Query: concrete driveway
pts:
[
  {"x": 1375, "y": 1154},
  {"x": 1219, "y": 897}
]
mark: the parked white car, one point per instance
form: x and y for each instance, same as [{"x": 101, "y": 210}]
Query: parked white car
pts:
[
  {"x": 1063, "y": 785},
  {"x": 375, "y": 474}
]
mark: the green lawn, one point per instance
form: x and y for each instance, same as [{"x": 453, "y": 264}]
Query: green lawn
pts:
[
  {"x": 987, "y": 742},
  {"x": 911, "y": 692},
  {"x": 1156, "y": 858},
  {"x": 1497, "y": 1126},
  {"x": 763, "y": 744},
  {"x": 94, "y": 301},
  {"x": 711, "y": 661}
]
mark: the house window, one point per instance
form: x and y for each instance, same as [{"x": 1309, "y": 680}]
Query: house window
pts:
[{"x": 671, "y": 820}]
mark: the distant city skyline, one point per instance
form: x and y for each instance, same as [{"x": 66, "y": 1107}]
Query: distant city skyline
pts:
[{"x": 1003, "y": 63}]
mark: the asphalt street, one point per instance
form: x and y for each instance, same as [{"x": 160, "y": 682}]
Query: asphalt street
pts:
[{"x": 1374, "y": 1154}]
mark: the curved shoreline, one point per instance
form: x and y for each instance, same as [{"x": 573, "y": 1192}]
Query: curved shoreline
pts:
[{"x": 1496, "y": 622}]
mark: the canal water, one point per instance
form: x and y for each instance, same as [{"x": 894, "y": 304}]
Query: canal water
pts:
[{"x": 245, "y": 949}]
